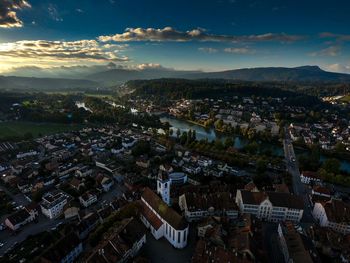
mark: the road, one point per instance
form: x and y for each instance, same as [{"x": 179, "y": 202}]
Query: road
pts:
[
  {"x": 9, "y": 239},
  {"x": 298, "y": 187}
]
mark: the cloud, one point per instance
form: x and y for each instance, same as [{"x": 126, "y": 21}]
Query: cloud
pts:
[
  {"x": 338, "y": 37},
  {"x": 52, "y": 51},
  {"x": 8, "y": 12},
  {"x": 199, "y": 34},
  {"x": 148, "y": 66},
  {"x": 54, "y": 14},
  {"x": 331, "y": 51},
  {"x": 242, "y": 50},
  {"x": 338, "y": 68},
  {"x": 209, "y": 50}
]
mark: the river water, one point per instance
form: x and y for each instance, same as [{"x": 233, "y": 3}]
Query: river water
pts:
[{"x": 239, "y": 142}]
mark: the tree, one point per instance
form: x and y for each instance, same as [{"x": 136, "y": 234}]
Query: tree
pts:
[
  {"x": 331, "y": 165},
  {"x": 183, "y": 138},
  {"x": 228, "y": 142},
  {"x": 178, "y": 133}
]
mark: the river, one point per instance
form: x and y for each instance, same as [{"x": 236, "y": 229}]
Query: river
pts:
[{"x": 210, "y": 134}]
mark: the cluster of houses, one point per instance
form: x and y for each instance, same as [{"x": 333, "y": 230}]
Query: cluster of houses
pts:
[
  {"x": 326, "y": 134},
  {"x": 240, "y": 112}
]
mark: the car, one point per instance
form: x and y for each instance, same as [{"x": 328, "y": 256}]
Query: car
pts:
[{"x": 1, "y": 244}]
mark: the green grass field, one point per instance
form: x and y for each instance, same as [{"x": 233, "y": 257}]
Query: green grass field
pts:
[
  {"x": 346, "y": 98},
  {"x": 19, "y": 129}
]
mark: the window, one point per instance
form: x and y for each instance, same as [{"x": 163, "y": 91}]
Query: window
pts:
[
  {"x": 178, "y": 237},
  {"x": 184, "y": 236}
]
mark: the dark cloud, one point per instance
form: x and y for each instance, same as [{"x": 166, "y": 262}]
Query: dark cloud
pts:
[
  {"x": 8, "y": 12},
  {"x": 170, "y": 34}
]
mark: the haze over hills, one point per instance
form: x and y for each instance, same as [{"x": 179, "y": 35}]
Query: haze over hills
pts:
[
  {"x": 105, "y": 77},
  {"x": 38, "y": 84}
]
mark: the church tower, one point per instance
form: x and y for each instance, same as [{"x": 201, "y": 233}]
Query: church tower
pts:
[{"x": 163, "y": 187}]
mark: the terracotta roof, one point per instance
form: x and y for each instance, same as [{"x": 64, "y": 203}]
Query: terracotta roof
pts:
[
  {"x": 168, "y": 214},
  {"x": 151, "y": 217},
  {"x": 310, "y": 174},
  {"x": 321, "y": 189},
  {"x": 218, "y": 201},
  {"x": 337, "y": 211},
  {"x": 277, "y": 199}
]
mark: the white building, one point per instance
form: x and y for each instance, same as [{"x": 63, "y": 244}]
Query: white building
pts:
[
  {"x": 53, "y": 203},
  {"x": 164, "y": 182},
  {"x": 162, "y": 220},
  {"x": 307, "y": 177},
  {"x": 87, "y": 199},
  {"x": 271, "y": 206},
  {"x": 334, "y": 214}
]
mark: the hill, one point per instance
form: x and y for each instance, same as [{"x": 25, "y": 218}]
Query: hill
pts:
[
  {"x": 298, "y": 74},
  {"x": 44, "y": 84}
]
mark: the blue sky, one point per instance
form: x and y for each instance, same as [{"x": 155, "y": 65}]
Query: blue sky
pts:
[{"x": 207, "y": 34}]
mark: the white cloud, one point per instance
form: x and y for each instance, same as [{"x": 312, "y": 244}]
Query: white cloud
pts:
[
  {"x": 331, "y": 51},
  {"x": 209, "y": 50},
  {"x": 199, "y": 34},
  {"x": 242, "y": 50},
  {"x": 64, "y": 51},
  {"x": 338, "y": 68}
]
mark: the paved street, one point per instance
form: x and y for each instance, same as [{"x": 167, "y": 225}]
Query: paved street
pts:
[
  {"x": 293, "y": 168},
  {"x": 9, "y": 239}
]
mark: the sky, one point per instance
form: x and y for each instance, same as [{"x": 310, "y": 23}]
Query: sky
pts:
[{"x": 209, "y": 35}]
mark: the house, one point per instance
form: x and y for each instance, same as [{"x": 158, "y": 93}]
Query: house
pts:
[
  {"x": 33, "y": 210},
  {"x": 18, "y": 219},
  {"x": 292, "y": 245},
  {"x": 52, "y": 203},
  {"x": 321, "y": 191},
  {"x": 105, "y": 182},
  {"x": 162, "y": 220},
  {"x": 334, "y": 214},
  {"x": 143, "y": 162},
  {"x": 308, "y": 177},
  {"x": 197, "y": 206},
  {"x": 87, "y": 224},
  {"x": 65, "y": 250},
  {"x": 76, "y": 183},
  {"x": 87, "y": 199},
  {"x": 120, "y": 246},
  {"x": 271, "y": 206}
]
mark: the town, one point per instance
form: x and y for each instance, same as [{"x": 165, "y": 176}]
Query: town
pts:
[{"x": 121, "y": 192}]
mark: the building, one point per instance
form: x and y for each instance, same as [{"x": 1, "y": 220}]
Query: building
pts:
[
  {"x": 18, "y": 219},
  {"x": 308, "y": 177},
  {"x": 197, "y": 206},
  {"x": 334, "y": 214},
  {"x": 65, "y": 250},
  {"x": 53, "y": 203},
  {"x": 163, "y": 220},
  {"x": 87, "y": 199},
  {"x": 164, "y": 182},
  {"x": 271, "y": 206},
  {"x": 292, "y": 245},
  {"x": 120, "y": 246}
]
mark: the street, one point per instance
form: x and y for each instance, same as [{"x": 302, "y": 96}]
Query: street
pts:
[
  {"x": 8, "y": 238},
  {"x": 298, "y": 187}
]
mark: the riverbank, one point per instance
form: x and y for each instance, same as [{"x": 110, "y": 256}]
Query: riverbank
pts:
[{"x": 211, "y": 135}]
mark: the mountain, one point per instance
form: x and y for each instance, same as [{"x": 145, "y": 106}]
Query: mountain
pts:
[
  {"x": 44, "y": 84},
  {"x": 114, "y": 76},
  {"x": 298, "y": 74},
  {"x": 304, "y": 73}
]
